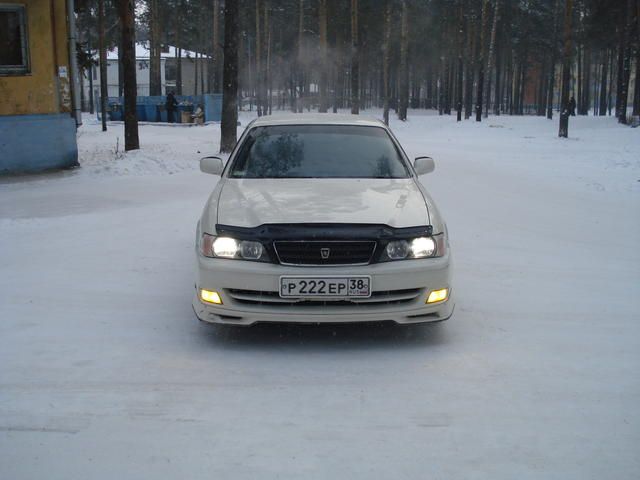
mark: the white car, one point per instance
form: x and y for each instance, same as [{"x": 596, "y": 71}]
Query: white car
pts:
[{"x": 321, "y": 218}]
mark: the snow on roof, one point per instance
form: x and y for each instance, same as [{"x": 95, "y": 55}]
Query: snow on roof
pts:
[
  {"x": 315, "y": 119},
  {"x": 143, "y": 51}
]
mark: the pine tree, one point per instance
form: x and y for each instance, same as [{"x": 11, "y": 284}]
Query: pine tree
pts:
[
  {"x": 385, "y": 60},
  {"x": 355, "y": 61},
  {"x": 228, "y": 126},
  {"x": 484, "y": 21},
  {"x": 322, "y": 28},
  {"x": 126, "y": 11},
  {"x": 404, "y": 66},
  {"x": 102, "y": 48},
  {"x": 563, "y": 130},
  {"x": 491, "y": 53},
  {"x": 155, "y": 80}
]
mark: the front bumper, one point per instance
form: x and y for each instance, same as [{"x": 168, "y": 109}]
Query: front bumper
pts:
[{"x": 249, "y": 293}]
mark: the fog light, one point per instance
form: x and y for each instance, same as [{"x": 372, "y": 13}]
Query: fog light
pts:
[
  {"x": 210, "y": 297},
  {"x": 438, "y": 295}
]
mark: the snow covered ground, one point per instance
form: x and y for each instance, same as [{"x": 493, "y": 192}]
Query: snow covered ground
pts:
[{"x": 105, "y": 372}]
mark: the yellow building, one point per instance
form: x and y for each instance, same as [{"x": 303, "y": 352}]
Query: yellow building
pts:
[{"x": 38, "y": 94}]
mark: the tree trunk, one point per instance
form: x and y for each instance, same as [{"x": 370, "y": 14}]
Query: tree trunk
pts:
[
  {"x": 83, "y": 100},
  {"x": 355, "y": 64},
  {"x": 385, "y": 61},
  {"x": 620, "y": 74},
  {"x": 404, "y": 67},
  {"x": 579, "y": 81},
  {"x": 258, "y": 55},
  {"x": 636, "y": 93},
  {"x": 460, "y": 63},
  {"x": 300, "y": 66},
  {"x": 91, "y": 102},
  {"x": 217, "y": 53},
  {"x": 610, "y": 90},
  {"x": 337, "y": 70},
  {"x": 203, "y": 63},
  {"x": 626, "y": 70},
  {"x": 195, "y": 74},
  {"x": 586, "y": 88},
  {"x": 496, "y": 12},
  {"x": 228, "y": 126},
  {"x": 102, "y": 48},
  {"x": 126, "y": 12},
  {"x": 471, "y": 67},
  {"x": 541, "y": 99},
  {"x": 523, "y": 84},
  {"x": 322, "y": 28},
  {"x": 266, "y": 66},
  {"x": 120, "y": 65},
  {"x": 155, "y": 74},
  {"x": 552, "y": 69},
  {"x": 484, "y": 22},
  {"x": 563, "y": 130},
  {"x": 447, "y": 89},
  {"x": 498, "y": 99}
]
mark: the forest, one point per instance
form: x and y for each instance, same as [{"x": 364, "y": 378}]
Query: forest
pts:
[{"x": 469, "y": 58}]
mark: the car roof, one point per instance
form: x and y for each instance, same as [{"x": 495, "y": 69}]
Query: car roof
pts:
[{"x": 316, "y": 119}]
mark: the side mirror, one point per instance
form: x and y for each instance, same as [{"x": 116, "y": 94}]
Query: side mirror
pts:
[
  {"x": 424, "y": 165},
  {"x": 212, "y": 165}
]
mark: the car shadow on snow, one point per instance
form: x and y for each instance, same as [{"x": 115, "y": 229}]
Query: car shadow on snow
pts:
[{"x": 302, "y": 337}]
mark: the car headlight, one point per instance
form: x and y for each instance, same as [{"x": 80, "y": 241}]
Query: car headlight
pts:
[
  {"x": 227, "y": 247},
  {"x": 420, "y": 247},
  {"x": 397, "y": 250}
]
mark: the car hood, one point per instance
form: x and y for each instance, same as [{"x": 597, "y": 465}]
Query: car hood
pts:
[{"x": 253, "y": 202}]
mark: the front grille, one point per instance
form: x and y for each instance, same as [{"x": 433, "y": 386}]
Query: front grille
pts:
[
  {"x": 324, "y": 252},
  {"x": 267, "y": 298}
]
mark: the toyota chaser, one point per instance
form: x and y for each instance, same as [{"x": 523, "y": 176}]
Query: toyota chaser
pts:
[{"x": 321, "y": 218}]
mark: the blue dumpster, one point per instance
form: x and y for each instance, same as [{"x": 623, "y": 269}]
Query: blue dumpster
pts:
[
  {"x": 152, "y": 112},
  {"x": 115, "y": 110},
  {"x": 141, "y": 112},
  {"x": 162, "y": 112}
]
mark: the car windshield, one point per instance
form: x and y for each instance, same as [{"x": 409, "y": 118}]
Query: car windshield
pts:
[{"x": 318, "y": 151}]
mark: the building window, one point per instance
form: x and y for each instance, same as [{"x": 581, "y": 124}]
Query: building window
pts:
[
  {"x": 170, "y": 72},
  {"x": 14, "y": 54}
]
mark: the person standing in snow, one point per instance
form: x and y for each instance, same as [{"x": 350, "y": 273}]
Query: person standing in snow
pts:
[
  {"x": 572, "y": 106},
  {"x": 171, "y": 105}
]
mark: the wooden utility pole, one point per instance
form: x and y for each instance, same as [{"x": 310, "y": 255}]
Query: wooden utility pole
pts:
[
  {"x": 103, "y": 65},
  {"x": 563, "y": 130},
  {"x": 229, "y": 124},
  {"x": 126, "y": 12},
  {"x": 355, "y": 64}
]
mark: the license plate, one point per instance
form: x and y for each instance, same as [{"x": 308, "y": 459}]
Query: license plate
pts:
[{"x": 312, "y": 287}]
